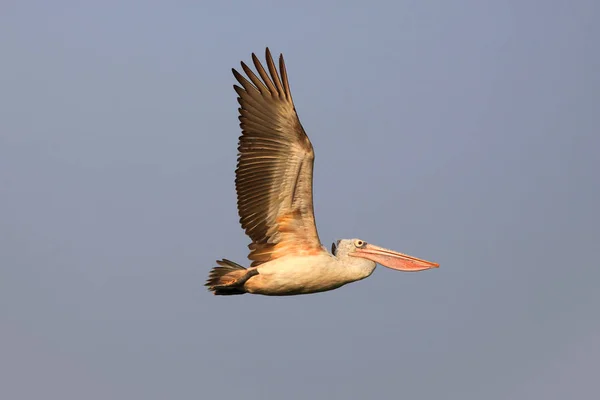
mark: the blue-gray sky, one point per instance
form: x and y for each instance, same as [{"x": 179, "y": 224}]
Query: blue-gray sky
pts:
[{"x": 464, "y": 132}]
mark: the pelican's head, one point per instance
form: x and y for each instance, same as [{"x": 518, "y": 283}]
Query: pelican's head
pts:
[{"x": 379, "y": 255}]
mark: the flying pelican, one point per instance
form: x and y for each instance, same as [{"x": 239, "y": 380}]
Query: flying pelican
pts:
[{"x": 275, "y": 203}]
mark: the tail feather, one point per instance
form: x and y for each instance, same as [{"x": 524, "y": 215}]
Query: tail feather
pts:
[{"x": 222, "y": 279}]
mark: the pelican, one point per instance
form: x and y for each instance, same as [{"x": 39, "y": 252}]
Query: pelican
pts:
[{"x": 275, "y": 202}]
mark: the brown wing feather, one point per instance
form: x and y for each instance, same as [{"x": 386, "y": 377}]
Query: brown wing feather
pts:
[{"x": 275, "y": 166}]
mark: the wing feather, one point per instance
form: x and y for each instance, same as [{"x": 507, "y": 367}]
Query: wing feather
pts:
[{"x": 275, "y": 166}]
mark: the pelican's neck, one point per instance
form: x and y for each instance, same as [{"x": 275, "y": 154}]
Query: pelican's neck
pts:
[{"x": 356, "y": 268}]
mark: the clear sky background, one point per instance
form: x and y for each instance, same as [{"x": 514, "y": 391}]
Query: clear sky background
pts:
[{"x": 464, "y": 132}]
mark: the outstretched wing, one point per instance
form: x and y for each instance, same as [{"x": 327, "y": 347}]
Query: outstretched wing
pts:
[{"x": 275, "y": 167}]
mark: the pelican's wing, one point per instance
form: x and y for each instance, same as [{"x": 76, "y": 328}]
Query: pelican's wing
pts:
[{"x": 275, "y": 165}]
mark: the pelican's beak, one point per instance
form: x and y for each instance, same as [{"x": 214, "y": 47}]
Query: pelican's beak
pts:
[{"x": 392, "y": 259}]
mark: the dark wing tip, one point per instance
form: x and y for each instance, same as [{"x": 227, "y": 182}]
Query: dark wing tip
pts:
[
  {"x": 256, "y": 61},
  {"x": 236, "y": 74}
]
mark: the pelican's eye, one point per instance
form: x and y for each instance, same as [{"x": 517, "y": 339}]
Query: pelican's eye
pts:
[{"x": 360, "y": 243}]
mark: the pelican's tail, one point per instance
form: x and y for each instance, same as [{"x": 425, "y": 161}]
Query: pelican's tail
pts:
[{"x": 228, "y": 278}]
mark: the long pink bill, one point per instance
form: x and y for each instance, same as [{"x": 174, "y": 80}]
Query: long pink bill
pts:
[{"x": 393, "y": 259}]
